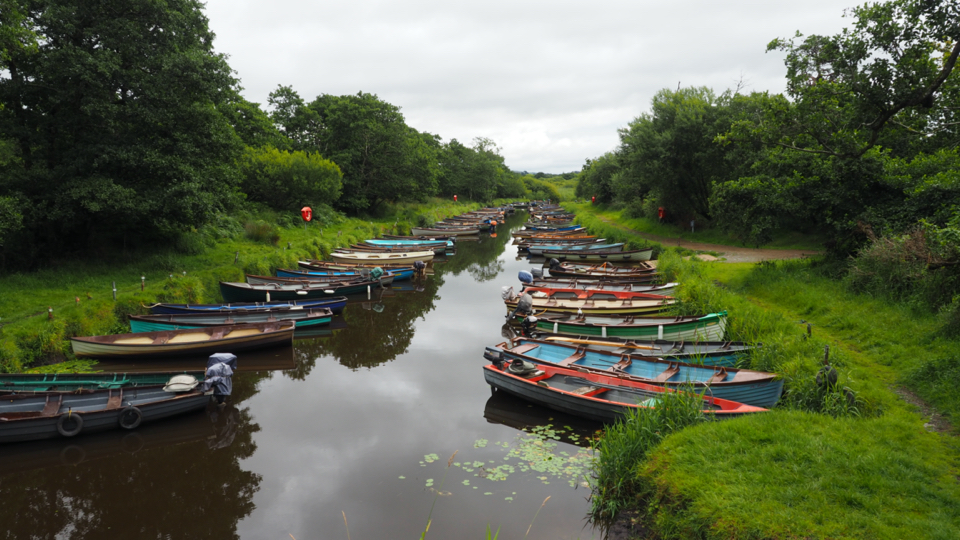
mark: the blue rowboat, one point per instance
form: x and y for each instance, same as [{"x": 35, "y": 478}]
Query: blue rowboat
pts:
[
  {"x": 336, "y": 304},
  {"x": 155, "y": 323},
  {"x": 756, "y": 388},
  {"x": 391, "y": 242}
]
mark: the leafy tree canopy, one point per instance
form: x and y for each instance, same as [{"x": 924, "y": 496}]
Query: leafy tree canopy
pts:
[{"x": 289, "y": 180}]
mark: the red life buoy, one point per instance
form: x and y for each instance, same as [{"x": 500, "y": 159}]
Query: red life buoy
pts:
[{"x": 306, "y": 212}]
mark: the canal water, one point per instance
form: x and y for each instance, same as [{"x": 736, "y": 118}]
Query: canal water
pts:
[{"x": 344, "y": 435}]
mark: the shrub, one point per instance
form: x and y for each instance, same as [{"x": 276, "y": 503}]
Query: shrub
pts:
[
  {"x": 182, "y": 290},
  {"x": 261, "y": 231}
]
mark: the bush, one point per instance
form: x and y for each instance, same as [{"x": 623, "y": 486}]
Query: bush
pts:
[
  {"x": 182, "y": 290},
  {"x": 261, "y": 231}
]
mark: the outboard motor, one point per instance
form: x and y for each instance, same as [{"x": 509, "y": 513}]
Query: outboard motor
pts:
[
  {"x": 554, "y": 263},
  {"x": 525, "y": 277},
  {"x": 220, "y": 368},
  {"x": 537, "y": 273},
  {"x": 494, "y": 355},
  {"x": 506, "y": 293},
  {"x": 420, "y": 267},
  {"x": 528, "y": 326}
]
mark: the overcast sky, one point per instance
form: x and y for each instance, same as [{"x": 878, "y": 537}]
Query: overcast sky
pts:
[{"x": 549, "y": 82}]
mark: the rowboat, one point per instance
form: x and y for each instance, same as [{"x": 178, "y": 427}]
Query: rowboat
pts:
[
  {"x": 350, "y": 266},
  {"x": 596, "y": 396},
  {"x": 48, "y": 416},
  {"x": 366, "y": 248},
  {"x": 584, "y": 248},
  {"x": 710, "y": 327},
  {"x": 561, "y": 293},
  {"x": 429, "y": 231},
  {"x": 385, "y": 242},
  {"x": 597, "y": 254},
  {"x": 642, "y": 274},
  {"x": 260, "y": 288},
  {"x": 756, "y": 388},
  {"x": 398, "y": 274},
  {"x": 707, "y": 353},
  {"x": 539, "y": 231},
  {"x": 590, "y": 306},
  {"x": 72, "y": 382},
  {"x": 667, "y": 289},
  {"x": 301, "y": 318},
  {"x": 335, "y": 304},
  {"x": 189, "y": 342},
  {"x": 381, "y": 258}
]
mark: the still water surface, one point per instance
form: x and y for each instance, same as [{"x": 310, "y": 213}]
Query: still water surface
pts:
[{"x": 359, "y": 423}]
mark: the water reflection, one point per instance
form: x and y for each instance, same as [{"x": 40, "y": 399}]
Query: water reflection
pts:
[
  {"x": 178, "y": 478},
  {"x": 503, "y": 408}
]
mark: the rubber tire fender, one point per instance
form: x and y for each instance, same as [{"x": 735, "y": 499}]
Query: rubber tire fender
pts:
[
  {"x": 126, "y": 423},
  {"x": 63, "y": 420}
]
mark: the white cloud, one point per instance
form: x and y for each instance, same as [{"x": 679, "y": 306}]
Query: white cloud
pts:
[{"x": 550, "y": 82}]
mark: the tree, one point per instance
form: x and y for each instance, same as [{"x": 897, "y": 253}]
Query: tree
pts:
[
  {"x": 290, "y": 180},
  {"x": 847, "y": 89},
  {"x": 596, "y": 178},
  {"x": 670, "y": 152},
  {"x": 115, "y": 122}
]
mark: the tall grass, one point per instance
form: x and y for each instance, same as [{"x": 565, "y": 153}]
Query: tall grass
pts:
[{"x": 623, "y": 447}]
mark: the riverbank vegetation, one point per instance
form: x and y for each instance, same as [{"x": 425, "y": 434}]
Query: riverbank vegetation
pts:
[
  {"x": 861, "y": 152},
  {"x": 849, "y": 459},
  {"x": 41, "y": 310}
]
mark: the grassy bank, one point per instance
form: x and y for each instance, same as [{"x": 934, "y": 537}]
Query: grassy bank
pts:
[
  {"x": 40, "y": 311},
  {"x": 852, "y": 460}
]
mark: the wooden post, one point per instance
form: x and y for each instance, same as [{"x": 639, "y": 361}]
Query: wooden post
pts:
[
  {"x": 50, "y": 313},
  {"x": 143, "y": 279},
  {"x": 114, "y": 291}
]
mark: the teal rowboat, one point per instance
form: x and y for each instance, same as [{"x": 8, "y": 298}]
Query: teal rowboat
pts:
[
  {"x": 155, "y": 323},
  {"x": 709, "y": 327}
]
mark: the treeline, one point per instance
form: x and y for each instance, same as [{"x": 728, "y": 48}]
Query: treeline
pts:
[
  {"x": 120, "y": 126},
  {"x": 862, "y": 149}
]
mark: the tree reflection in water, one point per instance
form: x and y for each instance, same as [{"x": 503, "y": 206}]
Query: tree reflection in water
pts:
[
  {"x": 375, "y": 336},
  {"x": 177, "y": 478}
]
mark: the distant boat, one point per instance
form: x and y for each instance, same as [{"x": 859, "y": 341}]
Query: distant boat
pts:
[
  {"x": 596, "y": 307},
  {"x": 542, "y": 249},
  {"x": 189, "y": 342},
  {"x": 428, "y": 231},
  {"x": 600, "y": 397},
  {"x": 48, "y": 416},
  {"x": 398, "y": 274},
  {"x": 667, "y": 289}
]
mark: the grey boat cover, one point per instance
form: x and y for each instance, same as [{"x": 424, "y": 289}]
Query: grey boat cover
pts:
[{"x": 220, "y": 368}]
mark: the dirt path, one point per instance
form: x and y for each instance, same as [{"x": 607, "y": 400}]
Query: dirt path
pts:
[{"x": 729, "y": 253}]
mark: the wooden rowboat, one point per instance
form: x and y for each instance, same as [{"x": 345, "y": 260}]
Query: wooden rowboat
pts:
[
  {"x": 756, "y": 388},
  {"x": 596, "y": 307},
  {"x": 192, "y": 342},
  {"x": 596, "y": 255},
  {"x": 707, "y": 353},
  {"x": 591, "y": 294},
  {"x": 709, "y": 327},
  {"x": 33, "y": 383},
  {"x": 301, "y": 318},
  {"x": 48, "y": 416},
  {"x": 262, "y": 288},
  {"x": 381, "y": 258},
  {"x": 667, "y": 289},
  {"x": 428, "y": 231},
  {"x": 600, "y": 397},
  {"x": 335, "y": 304}
]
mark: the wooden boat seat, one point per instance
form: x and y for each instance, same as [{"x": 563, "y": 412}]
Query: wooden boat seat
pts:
[
  {"x": 192, "y": 337},
  {"x": 622, "y": 364},
  {"x": 526, "y": 347},
  {"x": 585, "y": 390},
  {"x": 578, "y": 355},
  {"x": 52, "y": 406},
  {"x": 115, "y": 400},
  {"x": 135, "y": 341},
  {"x": 241, "y": 333},
  {"x": 667, "y": 373},
  {"x": 719, "y": 376}
]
